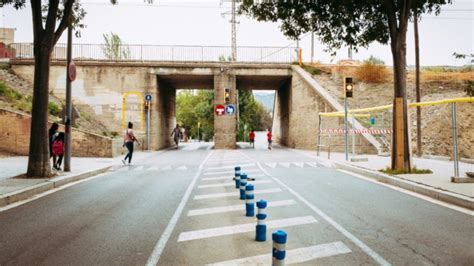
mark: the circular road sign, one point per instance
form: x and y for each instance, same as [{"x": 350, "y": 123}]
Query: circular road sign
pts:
[
  {"x": 72, "y": 71},
  {"x": 230, "y": 109},
  {"x": 148, "y": 97},
  {"x": 220, "y": 109}
]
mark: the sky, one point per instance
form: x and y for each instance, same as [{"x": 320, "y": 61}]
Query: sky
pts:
[{"x": 201, "y": 22}]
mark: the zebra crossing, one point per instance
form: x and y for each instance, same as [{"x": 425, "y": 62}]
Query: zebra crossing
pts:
[
  {"x": 217, "y": 200},
  {"x": 150, "y": 168}
]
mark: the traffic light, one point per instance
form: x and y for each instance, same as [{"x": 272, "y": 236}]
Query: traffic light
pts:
[
  {"x": 348, "y": 87},
  {"x": 227, "y": 95}
]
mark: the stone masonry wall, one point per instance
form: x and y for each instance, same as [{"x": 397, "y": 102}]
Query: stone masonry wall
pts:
[
  {"x": 225, "y": 126},
  {"x": 15, "y": 138}
]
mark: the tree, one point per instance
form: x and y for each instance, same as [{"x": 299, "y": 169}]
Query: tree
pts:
[
  {"x": 193, "y": 108},
  {"x": 46, "y": 33},
  {"x": 356, "y": 24},
  {"x": 114, "y": 48},
  {"x": 252, "y": 115}
]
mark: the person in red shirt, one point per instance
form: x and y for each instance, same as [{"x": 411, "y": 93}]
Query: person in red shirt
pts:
[
  {"x": 269, "y": 138},
  {"x": 252, "y": 138},
  {"x": 58, "y": 151}
]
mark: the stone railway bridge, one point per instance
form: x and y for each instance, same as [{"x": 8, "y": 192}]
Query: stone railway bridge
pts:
[{"x": 114, "y": 91}]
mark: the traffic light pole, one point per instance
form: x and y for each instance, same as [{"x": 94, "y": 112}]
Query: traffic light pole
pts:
[
  {"x": 346, "y": 139},
  {"x": 68, "y": 118},
  {"x": 148, "y": 126}
]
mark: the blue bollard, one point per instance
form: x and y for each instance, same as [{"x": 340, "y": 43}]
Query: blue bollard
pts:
[
  {"x": 279, "y": 250},
  {"x": 249, "y": 203},
  {"x": 261, "y": 234},
  {"x": 243, "y": 183},
  {"x": 237, "y": 176}
]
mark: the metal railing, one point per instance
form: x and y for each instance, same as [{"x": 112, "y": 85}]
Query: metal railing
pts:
[{"x": 181, "y": 53}]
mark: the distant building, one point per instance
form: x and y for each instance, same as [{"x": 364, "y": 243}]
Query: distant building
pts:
[{"x": 7, "y": 35}]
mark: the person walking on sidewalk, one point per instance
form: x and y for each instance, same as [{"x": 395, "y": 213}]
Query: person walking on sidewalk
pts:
[
  {"x": 58, "y": 151},
  {"x": 252, "y": 138},
  {"x": 128, "y": 140},
  {"x": 177, "y": 135},
  {"x": 269, "y": 138},
  {"x": 52, "y": 134}
]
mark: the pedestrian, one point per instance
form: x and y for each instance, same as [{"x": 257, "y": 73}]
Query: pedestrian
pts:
[
  {"x": 269, "y": 138},
  {"x": 52, "y": 134},
  {"x": 252, "y": 138},
  {"x": 58, "y": 151},
  {"x": 128, "y": 140},
  {"x": 177, "y": 135}
]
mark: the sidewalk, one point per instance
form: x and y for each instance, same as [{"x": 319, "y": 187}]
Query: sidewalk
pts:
[
  {"x": 16, "y": 189},
  {"x": 437, "y": 185}
]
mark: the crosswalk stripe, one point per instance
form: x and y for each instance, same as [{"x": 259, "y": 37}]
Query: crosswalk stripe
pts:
[
  {"x": 298, "y": 255},
  {"x": 182, "y": 168},
  {"x": 300, "y": 165},
  {"x": 231, "y": 172},
  {"x": 239, "y": 207},
  {"x": 285, "y": 165},
  {"x": 139, "y": 168},
  {"x": 166, "y": 168},
  {"x": 243, "y": 228},
  {"x": 153, "y": 168},
  {"x": 231, "y": 166},
  {"x": 226, "y": 177},
  {"x": 272, "y": 165},
  {"x": 312, "y": 164},
  {"x": 232, "y": 194},
  {"x": 233, "y": 184}
]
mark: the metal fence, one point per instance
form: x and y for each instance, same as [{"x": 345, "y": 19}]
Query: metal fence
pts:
[{"x": 182, "y": 53}]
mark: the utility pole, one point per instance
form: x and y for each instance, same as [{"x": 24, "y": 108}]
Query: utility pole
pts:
[
  {"x": 234, "y": 33},
  {"x": 417, "y": 87},
  {"x": 68, "y": 118},
  {"x": 312, "y": 47}
]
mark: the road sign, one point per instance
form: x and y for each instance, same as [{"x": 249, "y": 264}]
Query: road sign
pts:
[
  {"x": 230, "y": 109},
  {"x": 72, "y": 71},
  {"x": 148, "y": 97},
  {"x": 220, "y": 109}
]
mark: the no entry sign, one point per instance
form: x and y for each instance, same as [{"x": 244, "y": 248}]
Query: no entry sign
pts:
[
  {"x": 220, "y": 109},
  {"x": 72, "y": 71}
]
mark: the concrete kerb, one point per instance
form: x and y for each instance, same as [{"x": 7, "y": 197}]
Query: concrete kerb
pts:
[
  {"x": 446, "y": 196},
  {"x": 56, "y": 182}
]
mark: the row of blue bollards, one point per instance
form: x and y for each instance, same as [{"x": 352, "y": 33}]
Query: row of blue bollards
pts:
[{"x": 278, "y": 237}]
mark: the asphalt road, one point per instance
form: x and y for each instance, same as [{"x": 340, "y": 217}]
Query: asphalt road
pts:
[{"x": 179, "y": 207}]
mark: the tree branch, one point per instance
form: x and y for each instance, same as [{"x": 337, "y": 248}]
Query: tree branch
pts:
[
  {"x": 392, "y": 19},
  {"x": 67, "y": 13},
  {"x": 51, "y": 18},
  {"x": 37, "y": 21}
]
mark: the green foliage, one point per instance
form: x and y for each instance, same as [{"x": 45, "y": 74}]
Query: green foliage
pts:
[
  {"x": 113, "y": 47},
  {"x": 24, "y": 106},
  {"x": 193, "y": 108},
  {"x": 114, "y": 134},
  {"x": 53, "y": 109},
  {"x": 9, "y": 94},
  {"x": 222, "y": 58},
  {"x": 252, "y": 115},
  {"x": 372, "y": 60},
  {"x": 312, "y": 70},
  {"x": 414, "y": 170}
]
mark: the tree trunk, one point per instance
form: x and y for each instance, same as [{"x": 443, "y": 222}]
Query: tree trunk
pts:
[
  {"x": 38, "y": 160},
  {"x": 418, "y": 92},
  {"x": 400, "y": 141}
]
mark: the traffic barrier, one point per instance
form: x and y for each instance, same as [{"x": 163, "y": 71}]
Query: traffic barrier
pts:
[
  {"x": 249, "y": 203},
  {"x": 340, "y": 131},
  {"x": 243, "y": 183},
  {"x": 279, "y": 252},
  {"x": 261, "y": 232},
  {"x": 237, "y": 176}
]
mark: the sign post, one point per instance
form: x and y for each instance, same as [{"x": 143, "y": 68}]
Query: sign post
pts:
[
  {"x": 70, "y": 76},
  {"x": 147, "y": 107},
  {"x": 347, "y": 94}
]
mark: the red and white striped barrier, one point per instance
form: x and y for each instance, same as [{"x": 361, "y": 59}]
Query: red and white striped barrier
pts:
[{"x": 340, "y": 131}]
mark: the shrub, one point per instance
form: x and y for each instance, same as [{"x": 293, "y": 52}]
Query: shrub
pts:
[
  {"x": 8, "y": 93},
  {"x": 114, "y": 134},
  {"x": 414, "y": 170},
  {"x": 53, "y": 109},
  {"x": 372, "y": 70},
  {"x": 312, "y": 70},
  {"x": 24, "y": 106}
]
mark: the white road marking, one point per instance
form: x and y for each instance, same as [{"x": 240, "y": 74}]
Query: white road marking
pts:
[
  {"x": 239, "y": 207},
  {"x": 416, "y": 195},
  {"x": 299, "y": 255},
  {"x": 232, "y": 184},
  {"x": 231, "y": 166},
  {"x": 182, "y": 168},
  {"x": 231, "y": 172},
  {"x": 374, "y": 255},
  {"x": 166, "y": 168},
  {"x": 153, "y": 168},
  {"x": 160, "y": 246},
  {"x": 226, "y": 177},
  {"x": 312, "y": 164},
  {"x": 139, "y": 168},
  {"x": 243, "y": 228},
  {"x": 285, "y": 165},
  {"x": 300, "y": 165},
  {"x": 272, "y": 165},
  {"x": 231, "y": 194}
]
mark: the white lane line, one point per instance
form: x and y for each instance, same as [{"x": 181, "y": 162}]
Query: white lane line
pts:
[
  {"x": 300, "y": 165},
  {"x": 231, "y": 172},
  {"x": 243, "y": 228},
  {"x": 206, "y": 211},
  {"x": 416, "y": 195},
  {"x": 226, "y": 177},
  {"x": 374, "y": 255},
  {"x": 160, "y": 246},
  {"x": 232, "y": 184},
  {"x": 272, "y": 165},
  {"x": 298, "y": 255},
  {"x": 230, "y": 166},
  {"x": 232, "y": 194}
]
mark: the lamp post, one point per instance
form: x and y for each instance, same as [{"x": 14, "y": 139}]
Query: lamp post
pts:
[{"x": 70, "y": 76}]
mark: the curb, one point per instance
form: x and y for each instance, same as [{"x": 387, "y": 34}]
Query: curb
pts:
[
  {"x": 446, "y": 196},
  {"x": 56, "y": 182}
]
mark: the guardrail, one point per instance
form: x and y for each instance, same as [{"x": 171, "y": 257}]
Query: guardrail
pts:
[{"x": 182, "y": 53}]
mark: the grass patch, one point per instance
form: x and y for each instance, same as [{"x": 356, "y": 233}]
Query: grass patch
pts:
[
  {"x": 414, "y": 170},
  {"x": 53, "y": 109},
  {"x": 373, "y": 70},
  {"x": 9, "y": 94},
  {"x": 312, "y": 70},
  {"x": 114, "y": 134},
  {"x": 24, "y": 106}
]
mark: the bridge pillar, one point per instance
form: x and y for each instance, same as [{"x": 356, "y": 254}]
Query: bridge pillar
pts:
[{"x": 225, "y": 126}]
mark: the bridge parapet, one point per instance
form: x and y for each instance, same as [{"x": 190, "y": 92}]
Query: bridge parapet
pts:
[{"x": 170, "y": 53}]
